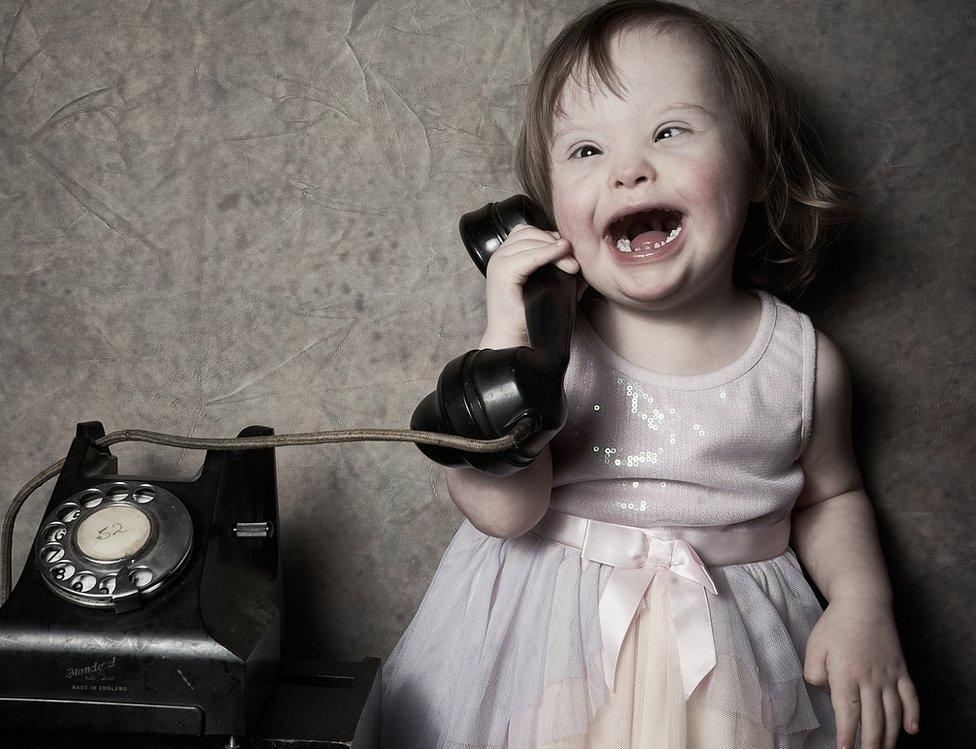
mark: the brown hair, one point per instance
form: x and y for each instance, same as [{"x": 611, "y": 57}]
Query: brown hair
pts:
[{"x": 781, "y": 245}]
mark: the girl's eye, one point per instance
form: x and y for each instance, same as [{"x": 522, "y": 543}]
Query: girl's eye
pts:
[
  {"x": 669, "y": 129},
  {"x": 583, "y": 148}
]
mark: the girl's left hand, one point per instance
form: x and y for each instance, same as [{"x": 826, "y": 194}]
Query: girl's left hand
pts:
[{"x": 854, "y": 651}]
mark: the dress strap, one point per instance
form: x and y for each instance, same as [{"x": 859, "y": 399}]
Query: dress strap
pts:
[{"x": 681, "y": 554}]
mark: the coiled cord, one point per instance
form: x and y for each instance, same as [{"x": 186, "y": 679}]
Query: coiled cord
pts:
[{"x": 520, "y": 431}]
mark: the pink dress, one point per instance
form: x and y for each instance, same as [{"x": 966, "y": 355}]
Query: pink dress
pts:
[{"x": 506, "y": 649}]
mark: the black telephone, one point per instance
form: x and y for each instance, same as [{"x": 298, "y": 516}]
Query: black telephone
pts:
[
  {"x": 484, "y": 392},
  {"x": 167, "y": 596}
]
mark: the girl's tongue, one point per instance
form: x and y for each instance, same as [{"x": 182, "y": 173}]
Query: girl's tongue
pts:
[
  {"x": 647, "y": 239},
  {"x": 648, "y": 228}
]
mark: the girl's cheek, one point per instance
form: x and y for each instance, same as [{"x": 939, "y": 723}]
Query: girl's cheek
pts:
[
  {"x": 569, "y": 213},
  {"x": 717, "y": 186},
  {"x": 573, "y": 203},
  {"x": 706, "y": 183}
]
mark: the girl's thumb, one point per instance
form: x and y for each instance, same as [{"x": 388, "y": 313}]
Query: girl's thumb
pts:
[{"x": 815, "y": 665}]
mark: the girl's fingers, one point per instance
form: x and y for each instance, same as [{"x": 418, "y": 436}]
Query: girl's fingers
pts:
[
  {"x": 532, "y": 254},
  {"x": 532, "y": 247},
  {"x": 909, "y": 702},
  {"x": 846, "y": 699},
  {"x": 815, "y": 665},
  {"x": 527, "y": 231},
  {"x": 892, "y": 710},
  {"x": 528, "y": 244},
  {"x": 872, "y": 718},
  {"x": 569, "y": 266}
]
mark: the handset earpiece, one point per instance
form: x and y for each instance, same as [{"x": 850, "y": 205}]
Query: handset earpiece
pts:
[
  {"x": 484, "y": 230},
  {"x": 483, "y": 393}
]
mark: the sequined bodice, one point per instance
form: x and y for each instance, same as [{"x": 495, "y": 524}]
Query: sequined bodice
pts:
[{"x": 647, "y": 449}]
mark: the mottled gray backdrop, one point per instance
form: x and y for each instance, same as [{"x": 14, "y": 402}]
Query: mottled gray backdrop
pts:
[{"x": 216, "y": 214}]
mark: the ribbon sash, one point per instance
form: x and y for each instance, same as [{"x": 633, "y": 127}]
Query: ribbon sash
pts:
[
  {"x": 687, "y": 580},
  {"x": 639, "y": 554}
]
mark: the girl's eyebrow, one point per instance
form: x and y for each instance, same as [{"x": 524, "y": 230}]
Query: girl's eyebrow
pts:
[{"x": 676, "y": 107}]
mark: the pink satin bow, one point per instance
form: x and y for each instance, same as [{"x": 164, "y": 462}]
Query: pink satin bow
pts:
[
  {"x": 638, "y": 554},
  {"x": 686, "y": 579}
]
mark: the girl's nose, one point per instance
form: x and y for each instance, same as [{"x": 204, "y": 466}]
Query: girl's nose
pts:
[{"x": 632, "y": 174}]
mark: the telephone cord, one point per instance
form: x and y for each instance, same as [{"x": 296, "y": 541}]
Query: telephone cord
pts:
[{"x": 520, "y": 431}]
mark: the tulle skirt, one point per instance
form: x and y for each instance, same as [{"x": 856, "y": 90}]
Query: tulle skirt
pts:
[{"x": 505, "y": 651}]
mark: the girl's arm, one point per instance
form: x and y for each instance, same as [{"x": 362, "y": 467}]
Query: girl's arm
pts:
[
  {"x": 854, "y": 648},
  {"x": 503, "y": 506}
]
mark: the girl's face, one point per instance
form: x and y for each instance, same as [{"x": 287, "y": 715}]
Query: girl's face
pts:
[{"x": 670, "y": 142}]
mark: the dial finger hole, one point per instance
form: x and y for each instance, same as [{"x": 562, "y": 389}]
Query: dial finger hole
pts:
[
  {"x": 68, "y": 511},
  {"x": 63, "y": 571},
  {"x": 107, "y": 585},
  {"x": 83, "y": 582},
  {"x": 92, "y": 498},
  {"x": 54, "y": 532},
  {"x": 52, "y": 553},
  {"x": 118, "y": 492},
  {"x": 141, "y": 577},
  {"x": 144, "y": 493}
]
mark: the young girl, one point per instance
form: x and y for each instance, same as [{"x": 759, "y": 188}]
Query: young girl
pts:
[{"x": 635, "y": 586}]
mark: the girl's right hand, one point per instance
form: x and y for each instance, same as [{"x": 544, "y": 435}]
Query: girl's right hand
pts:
[{"x": 526, "y": 249}]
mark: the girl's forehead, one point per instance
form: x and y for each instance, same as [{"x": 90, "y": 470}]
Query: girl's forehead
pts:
[{"x": 647, "y": 66}]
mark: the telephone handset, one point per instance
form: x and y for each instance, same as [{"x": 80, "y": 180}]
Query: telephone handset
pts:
[{"x": 484, "y": 392}]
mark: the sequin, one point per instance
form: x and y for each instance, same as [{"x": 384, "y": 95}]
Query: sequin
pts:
[{"x": 596, "y": 408}]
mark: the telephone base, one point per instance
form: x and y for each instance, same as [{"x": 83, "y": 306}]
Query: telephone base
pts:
[{"x": 314, "y": 704}]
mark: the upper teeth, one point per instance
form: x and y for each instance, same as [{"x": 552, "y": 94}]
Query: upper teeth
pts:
[{"x": 623, "y": 244}]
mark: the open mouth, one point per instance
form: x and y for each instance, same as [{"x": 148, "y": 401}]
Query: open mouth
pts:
[{"x": 644, "y": 231}]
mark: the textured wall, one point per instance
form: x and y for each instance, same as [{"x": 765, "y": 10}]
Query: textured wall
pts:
[{"x": 218, "y": 214}]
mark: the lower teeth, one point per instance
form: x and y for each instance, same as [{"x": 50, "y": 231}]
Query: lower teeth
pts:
[{"x": 623, "y": 244}]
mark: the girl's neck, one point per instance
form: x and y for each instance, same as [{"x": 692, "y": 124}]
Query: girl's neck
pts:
[{"x": 699, "y": 336}]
